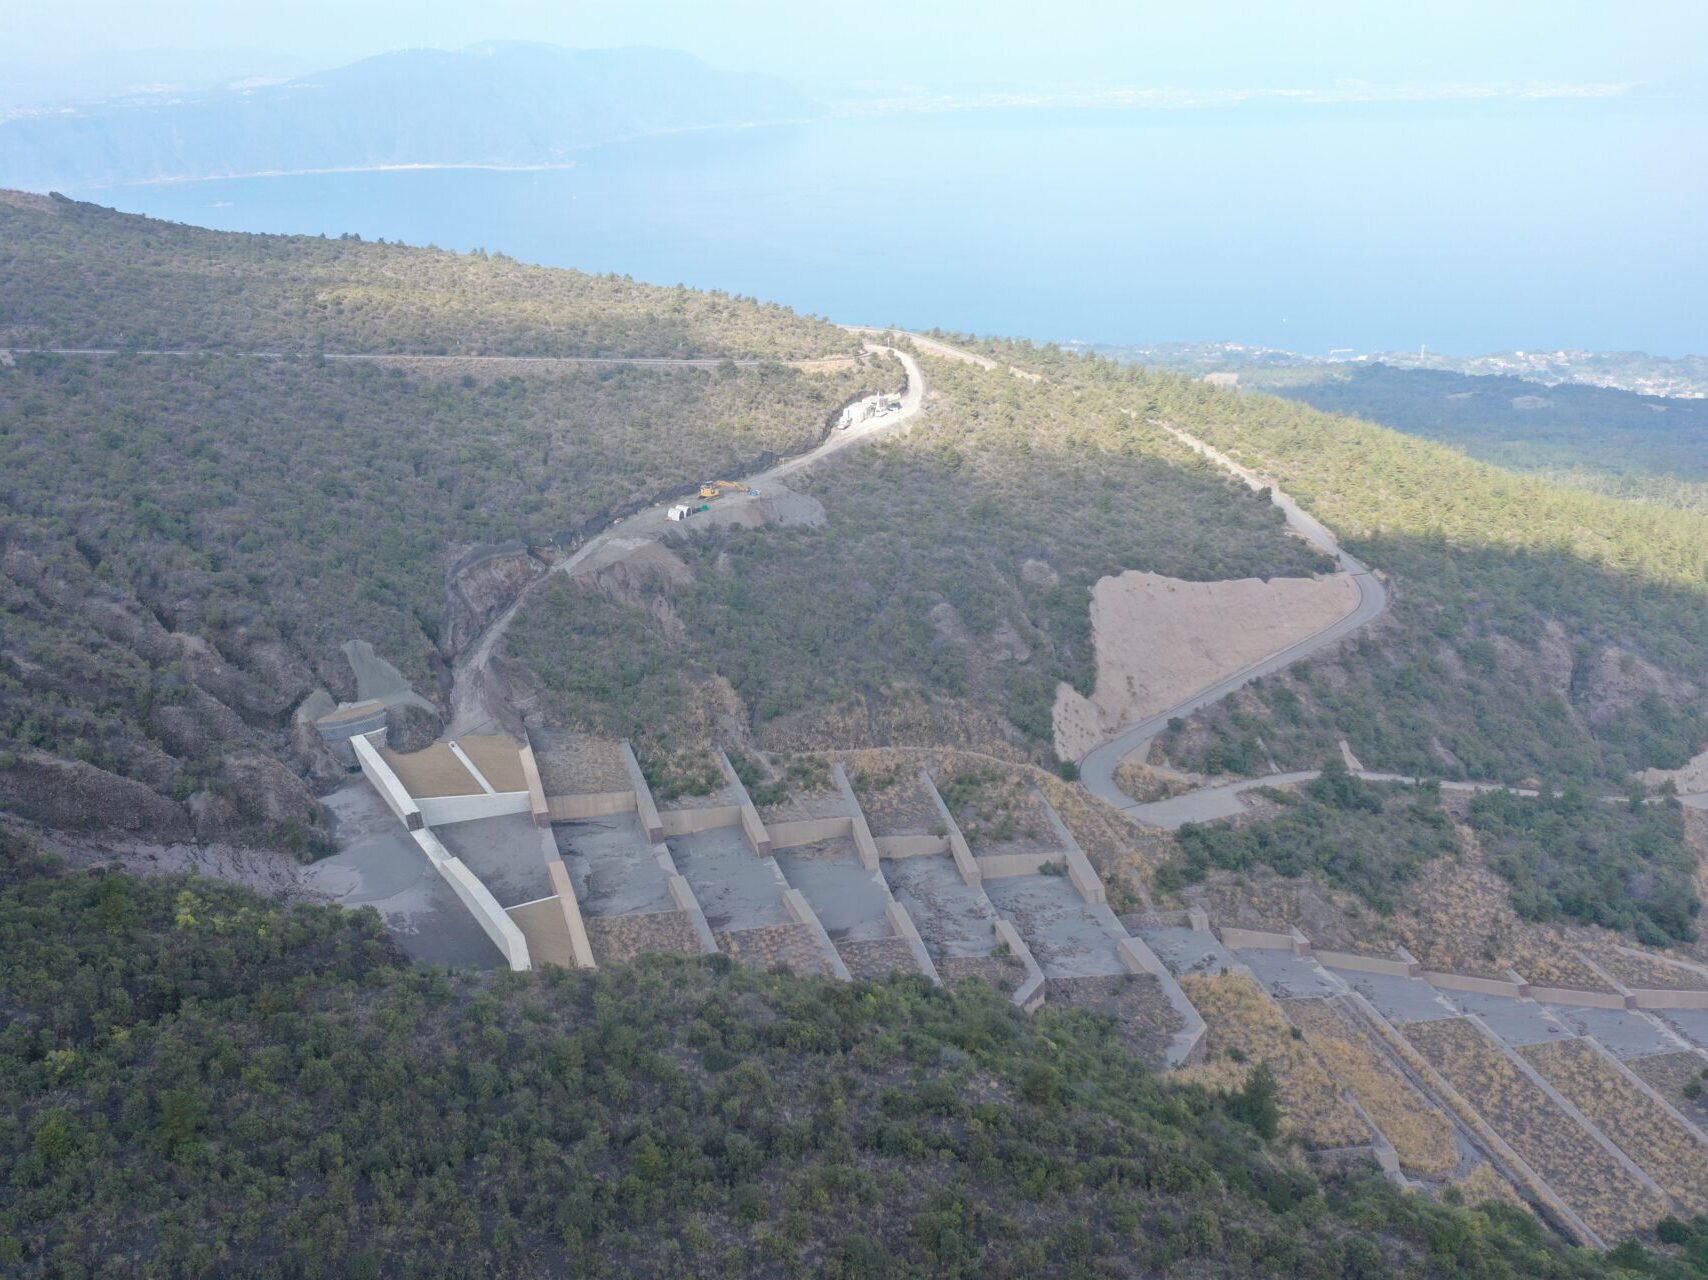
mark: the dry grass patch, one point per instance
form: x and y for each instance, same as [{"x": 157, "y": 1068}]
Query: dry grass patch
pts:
[
  {"x": 1644, "y": 1129},
  {"x": 1485, "y": 1182},
  {"x": 579, "y": 763},
  {"x": 1245, "y": 1028},
  {"x": 1146, "y": 784},
  {"x": 1581, "y": 1172},
  {"x": 1637, "y": 970},
  {"x": 1422, "y": 1135},
  {"x": 1682, "y": 1079}
]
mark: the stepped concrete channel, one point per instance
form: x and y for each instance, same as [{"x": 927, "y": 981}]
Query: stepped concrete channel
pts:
[
  {"x": 474, "y": 863},
  {"x": 1386, "y": 996}
]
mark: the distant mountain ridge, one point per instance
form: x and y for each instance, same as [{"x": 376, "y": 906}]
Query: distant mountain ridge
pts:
[{"x": 508, "y": 104}]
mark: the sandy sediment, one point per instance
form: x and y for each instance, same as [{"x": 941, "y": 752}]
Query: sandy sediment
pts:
[{"x": 1159, "y": 640}]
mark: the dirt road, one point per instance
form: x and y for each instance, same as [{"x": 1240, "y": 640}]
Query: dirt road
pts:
[{"x": 469, "y": 710}]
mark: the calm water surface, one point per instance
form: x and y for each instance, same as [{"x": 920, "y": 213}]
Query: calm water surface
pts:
[{"x": 1467, "y": 228}]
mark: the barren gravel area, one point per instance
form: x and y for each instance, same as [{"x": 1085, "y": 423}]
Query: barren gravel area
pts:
[{"x": 1160, "y": 640}]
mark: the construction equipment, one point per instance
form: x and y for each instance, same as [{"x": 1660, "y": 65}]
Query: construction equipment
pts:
[{"x": 717, "y": 489}]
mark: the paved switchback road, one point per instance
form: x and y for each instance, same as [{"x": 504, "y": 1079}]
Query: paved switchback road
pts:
[
  {"x": 469, "y": 686},
  {"x": 1097, "y": 767}
]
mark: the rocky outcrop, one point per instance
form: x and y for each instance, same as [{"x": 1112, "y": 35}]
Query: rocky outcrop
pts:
[
  {"x": 410, "y": 727},
  {"x": 1615, "y": 681},
  {"x": 74, "y": 795},
  {"x": 481, "y": 586}
]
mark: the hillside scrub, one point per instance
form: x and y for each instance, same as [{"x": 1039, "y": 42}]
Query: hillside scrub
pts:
[
  {"x": 196, "y": 1079},
  {"x": 187, "y": 542},
  {"x": 1595, "y": 1185},
  {"x": 1422, "y": 1135},
  {"x": 78, "y": 275},
  {"x": 1514, "y": 423},
  {"x": 1535, "y": 630},
  {"x": 1569, "y": 856},
  {"x": 1247, "y": 1032},
  {"x": 1641, "y": 1127},
  {"x": 1371, "y": 839},
  {"x": 944, "y": 598}
]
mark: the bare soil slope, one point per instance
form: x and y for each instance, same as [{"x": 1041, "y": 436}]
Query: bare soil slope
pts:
[{"x": 1159, "y": 640}]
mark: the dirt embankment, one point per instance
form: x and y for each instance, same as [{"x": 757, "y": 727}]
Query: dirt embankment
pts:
[
  {"x": 1690, "y": 780},
  {"x": 1159, "y": 640}
]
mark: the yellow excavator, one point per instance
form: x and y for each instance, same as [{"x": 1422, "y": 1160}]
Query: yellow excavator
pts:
[{"x": 717, "y": 489}]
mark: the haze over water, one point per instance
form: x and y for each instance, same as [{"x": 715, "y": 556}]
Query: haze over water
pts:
[{"x": 1470, "y": 227}]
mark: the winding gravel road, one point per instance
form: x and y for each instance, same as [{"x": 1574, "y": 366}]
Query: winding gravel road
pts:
[
  {"x": 1097, "y": 767},
  {"x": 469, "y": 686}
]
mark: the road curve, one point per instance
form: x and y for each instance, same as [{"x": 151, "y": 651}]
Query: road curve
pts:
[
  {"x": 469, "y": 712},
  {"x": 1097, "y": 767}
]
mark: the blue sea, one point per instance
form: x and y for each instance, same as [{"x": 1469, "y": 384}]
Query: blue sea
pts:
[{"x": 1469, "y": 227}]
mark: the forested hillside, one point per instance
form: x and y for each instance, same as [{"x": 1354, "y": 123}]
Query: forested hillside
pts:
[
  {"x": 943, "y": 598},
  {"x": 1590, "y": 437},
  {"x": 78, "y": 275},
  {"x": 1536, "y": 630},
  {"x": 186, "y": 541},
  {"x": 196, "y": 1080}
]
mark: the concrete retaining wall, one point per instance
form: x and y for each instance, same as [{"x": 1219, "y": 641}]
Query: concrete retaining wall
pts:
[
  {"x": 958, "y": 848},
  {"x": 592, "y": 804},
  {"x": 478, "y": 899},
  {"x": 1586, "y": 999},
  {"x": 869, "y": 856},
  {"x": 1356, "y": 963},
  {"x": 911, "y": 846},
  {"x": 1238, "y": 939},
  {"x": 387, "y": 784},
  {"x": 544, "y": 931},
  {"x": 1481, "y": 986},
  {"x": 788, "y": 835},
  {"x": 752, "y": 825},
  {"x": 1085, "y": 877},
  {"x": 1468, "y": 1115},
  {"x": 643, "y": 797},
  {"x": 536, "y": 789},
  {"x": 682, "y": 894},
  {"x": 581, "y": 948},
  {"x": 444, "y": 811},
  {"x": 901, "y": 924},
  {"x": 687, "y": 822},
  {"x": 801, "y": 912},
  {"x": 1006, "y": 866},
  {"x": 1137, "y": 955},
  {"x": 1079, "y": 868},
  {"x": 1029, "y": 994},
  {"x": 1653, "y": 999}
]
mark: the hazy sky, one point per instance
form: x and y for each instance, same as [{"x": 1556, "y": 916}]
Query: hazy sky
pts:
[{"x": 1194, "y": 43}]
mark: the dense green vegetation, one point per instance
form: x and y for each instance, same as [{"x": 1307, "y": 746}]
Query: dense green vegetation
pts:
[
  {"x": 187, "y": 540},
  {"x": 1535, "y": 631},
  {"x": 196, "y": 1081},
  {"x": 1571, "y": 856},
  {"x": 78, "y": 275},
  {"x": 954, "y": 567},
  {"x": 1513, "y": 423},
  {"x": 1368, "y": 838}
]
